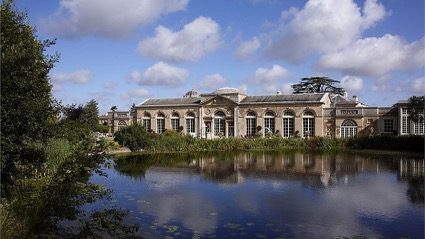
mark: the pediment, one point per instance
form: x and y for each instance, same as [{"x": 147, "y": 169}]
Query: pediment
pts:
[{"x": 219, "y": 101}]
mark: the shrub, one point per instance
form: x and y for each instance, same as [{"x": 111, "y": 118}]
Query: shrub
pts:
[{"x": 134, "y": 137}]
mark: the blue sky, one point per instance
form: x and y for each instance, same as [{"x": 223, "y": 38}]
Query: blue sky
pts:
[{"x": 123, "y": 52}]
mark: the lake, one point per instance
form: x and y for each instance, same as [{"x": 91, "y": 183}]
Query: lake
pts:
[{"x": 270, "y": 195}]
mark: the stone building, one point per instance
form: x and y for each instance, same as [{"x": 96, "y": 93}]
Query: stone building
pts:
[
  {"x": 230, "y": 112},
  {"x": 117, "y": 120}
]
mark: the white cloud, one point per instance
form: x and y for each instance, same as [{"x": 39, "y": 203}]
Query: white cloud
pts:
[
  {"x": 107, "y": 18},
  {"x": 138, "y": 93},
  {"x": 269, "y": 79},
  {"x": 383, "y": 83},
  {"x": 109, "y": 85},
  {"x": 161, "y": 74},
  {"x": 351, "y": 83},
  {"x": 322, "y": 26},
  {"x": 77, "y": 77},
  {"x": 418, "y": 86},
  {"x": 247, "y": 48},
  {"x": 269, "y": 76},
  {"x": 376, "y": 56},
  {"x": 196, "y": 39},
  {"x": 212, "y": 82}
]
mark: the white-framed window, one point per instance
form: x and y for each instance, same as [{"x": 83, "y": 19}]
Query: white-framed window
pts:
[
  {"x": 388, "y": 125},
  {"x": 419, "y": 126},
  {"x": 288, "y": 124},
  {"x": 190, "y": 123},
  {"x": 269, "y": 123},
  {"x": 121, "y": 124},
  {"x": 219, "y": 123},
  {"x": 308, "y": 124},
  {"x": 146, "y": 121},
  {"x": 160, "y": 123},
  {"x": 251, "y": 123},
  {"x": 175, "y": 121},
  {"x": 405, "y": 121},
  {"x": 348, "y": 129}
]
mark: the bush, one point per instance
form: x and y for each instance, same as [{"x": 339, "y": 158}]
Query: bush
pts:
[{"x": 134, "y": 137}]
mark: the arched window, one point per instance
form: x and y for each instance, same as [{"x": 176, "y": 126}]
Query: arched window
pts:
[
  {"x": 269, "y": 123},
  {"x": 121, "y": 124},
  {"x": 175, "y": 122},
  {"x": 190, "y": 123},
  {"x": 348, "y": 129},
  {"x": 160, "y": 123},
  {"x": 219, "y": 123},
  {"x": 251, "y": 123},
  {"x": 288, "y": 124},
  {"x": 308, "y": 124},
  {"x": 146, "y": 121}
]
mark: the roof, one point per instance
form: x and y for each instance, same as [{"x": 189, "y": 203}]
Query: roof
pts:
[
  {"x": 228, "y": 90},
  {"x": 339, "y": 100},
  {"x": 172, "y": 101},
  {"x": 313, "y": 97}
]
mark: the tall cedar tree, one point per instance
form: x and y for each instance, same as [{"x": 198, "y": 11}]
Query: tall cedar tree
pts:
[
  {"x": 317, "y": 85},
  {"x": 416, "y": 107},
  {"x": 26, "y": 102}
]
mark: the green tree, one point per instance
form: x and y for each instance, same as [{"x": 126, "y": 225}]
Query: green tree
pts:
[
  {"x": 26, "y": 102},
  {"x": 317, "y": 85},
  {"x": 416, "y": 107},
  {"x": 134, "y": 137}
]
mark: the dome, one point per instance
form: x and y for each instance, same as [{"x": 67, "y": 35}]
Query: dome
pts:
[
  {"x": 228, "y": 90},
  {"x": 191, "y": 93}
]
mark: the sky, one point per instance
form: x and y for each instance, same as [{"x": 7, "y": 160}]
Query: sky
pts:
[{"x": 124, "y": 52}]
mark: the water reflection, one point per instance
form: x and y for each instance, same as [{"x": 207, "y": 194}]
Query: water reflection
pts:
[{"x": 269, "y": 195}]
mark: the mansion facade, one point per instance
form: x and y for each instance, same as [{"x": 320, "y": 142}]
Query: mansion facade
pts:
[{"x": 229, "y": 112}]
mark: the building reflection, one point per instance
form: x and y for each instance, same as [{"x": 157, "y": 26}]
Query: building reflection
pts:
[
  {"x": 313, "y": 169},
  {"x": 412, "y": 171}
]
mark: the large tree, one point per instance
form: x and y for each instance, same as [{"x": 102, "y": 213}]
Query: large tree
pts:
[
  {"x": 320, "y": 84},
  {"x": 26, "y": 102},
  {"x": 416, "y": 107}
]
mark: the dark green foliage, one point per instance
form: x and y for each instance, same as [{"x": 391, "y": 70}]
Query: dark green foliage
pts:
[
  {"x": 107, "y": 222},
  {"x": 416, "y": 108},
  {"x": 403, "y": 143},
  {"x": 45, "y": 163},
  {"x": 317, "y": 85},
  {"x": 78, "y": 121},
  {"x": 134, "y": 137},
  {"x": 26, "y": 103}
]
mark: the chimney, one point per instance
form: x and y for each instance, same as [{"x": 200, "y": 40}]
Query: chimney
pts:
[
  {"x": 355, "y": 98},
  {"x": 278, "y": 92},
  {"x": 345, "y": 94}
]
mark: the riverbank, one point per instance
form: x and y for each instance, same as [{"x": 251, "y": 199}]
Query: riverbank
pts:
[{"x": 180, "y": 143}]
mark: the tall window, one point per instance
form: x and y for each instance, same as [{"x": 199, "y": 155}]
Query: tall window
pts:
[
  {"x": 160, "y": 123},
  {"x": 219, "y": 123},
  {"x": 175, "y": 122},
  {"x": 419, "y": 127},
  {"x": 308, "y": 124},
  {"x": 288, "y": 124},
  {"x": 269, "y": 125},
  {"x": 190, "y": 123},
  {"x": 231, "y": 129},
  {"x": 121, "y": 124},
  {"x": 251, "y": 124},
  {"x": 388, "y": 125},
  {"x": 146, "y": 121},
  {"x": 348, "y": 129},
  {"x": 405, "y": 121}
]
